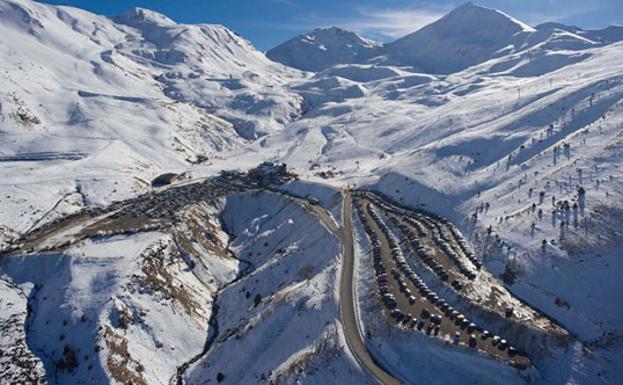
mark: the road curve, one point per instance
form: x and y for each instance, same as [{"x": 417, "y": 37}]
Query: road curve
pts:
[
  {"x": 354, "y": 339},
  {"x": 347, "y": 303}
]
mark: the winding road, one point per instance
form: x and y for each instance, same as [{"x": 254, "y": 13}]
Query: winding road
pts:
[
  {"x": 354, "y": 339},
  {"x": 347, "y": 303}
]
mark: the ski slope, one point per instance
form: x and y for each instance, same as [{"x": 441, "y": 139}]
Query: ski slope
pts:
[{"x": 494, "y": 131}]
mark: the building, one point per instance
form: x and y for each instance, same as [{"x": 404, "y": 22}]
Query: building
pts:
[{"x": 270, "y": 173}]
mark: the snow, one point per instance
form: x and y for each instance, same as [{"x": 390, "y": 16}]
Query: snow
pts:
[
  {"x": 469, "y": 35},
  {"x": 80, "y": 296},
  {"x": 328, "y": 197},
  {"x": 322, "y": 48},
  {"x": 292, "y": 333},
  {"x": 92, "y": 108},
  {"x": 396, "y": 348},
  {"x": 17, "y": 362}
]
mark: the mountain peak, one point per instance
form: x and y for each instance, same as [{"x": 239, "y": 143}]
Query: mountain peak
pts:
[
  {"x": 475, "y": 14},
  {"x": 465, "y": 36},
  {"x": 345, "y": 36},
  {"x": 322, "y": 48},
  {"x": 138, "y": 15}
]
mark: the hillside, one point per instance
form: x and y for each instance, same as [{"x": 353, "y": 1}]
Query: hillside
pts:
[
  {"x": 324, "y": 48},
  {"x": 509, "y": 134},
  {"x": 467, "y": 36}
]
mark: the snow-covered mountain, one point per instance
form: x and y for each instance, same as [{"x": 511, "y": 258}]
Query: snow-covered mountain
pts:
[
  {"x": 466, "y": 36},
  {"x": 324, "y": 47},
  {"x": 469, "y": 35},
  {"x": 136, "y": 94},
  {"x": 512, "y": 133},
  {"x": 610, "y": 34},
  {"x": 134, "y": 78}
]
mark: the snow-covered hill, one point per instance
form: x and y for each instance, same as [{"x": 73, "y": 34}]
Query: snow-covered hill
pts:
[
  {"x": 469, "y": 35},
  {"x": 104, "y": 104},
  {"x": 324, "y": 47},
  {"x": 514, "y": 135},
  {"x": 466, "y": 36}
]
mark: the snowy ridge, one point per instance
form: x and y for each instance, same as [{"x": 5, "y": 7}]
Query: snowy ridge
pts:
[
  {"x": 467, "y": 36},
  {"x": 323, "y": 48},
  {"x": 515, "y": 136}
]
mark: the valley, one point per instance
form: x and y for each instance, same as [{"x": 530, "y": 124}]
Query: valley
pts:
[{"x": 180, "y": 207}]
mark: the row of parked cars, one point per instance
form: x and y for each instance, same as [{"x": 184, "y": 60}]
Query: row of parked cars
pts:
[
  {"x": 403, "y": 270},
  {"x": 421, "y": 223},
  {"x": 449, "y": 251},
  {"x": 425, "y": 255},
  {"x": 382, "y": 279},
  {"x": 463, "y": 245},
  {"x": 381, "y": 200},
  {"x": 168, "y": 203}
]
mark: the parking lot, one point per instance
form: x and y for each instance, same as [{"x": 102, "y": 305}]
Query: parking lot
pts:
[
  {"x": 402, "y": 245},
  {"x": 148, "y": 212}
]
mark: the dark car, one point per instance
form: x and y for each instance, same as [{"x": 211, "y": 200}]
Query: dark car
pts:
[
  {"x": 495, "y": 340},
  {"x": 390, "y": 302},
  {"x": 464, "y": 323},
  {"x": 429, "y": 329},
  {"x": 503, "y": 344},
  {"x": 436, "y": 319},
  {"x": 471, "y": 327},
  {"x": 397, "y": 315},
  {"x": 421, "y": 324},
  {"x": 407, "y": 319},
  {"x": 472, "y": 341}
]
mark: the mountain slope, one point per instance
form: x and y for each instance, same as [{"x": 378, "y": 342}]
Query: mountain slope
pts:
[
  {"x": 105, "y": 104},
  {"x": 520, "y": 148},
  {"x": 68, "y": 71},
  {"x": 467, "y": 36}
]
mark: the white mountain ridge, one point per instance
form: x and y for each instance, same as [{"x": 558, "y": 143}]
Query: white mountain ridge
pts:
[
  {"x": 469, "y": 35},
  {"x": 92, "y": 108}
]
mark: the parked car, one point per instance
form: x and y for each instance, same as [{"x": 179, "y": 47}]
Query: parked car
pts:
[
  {"x": 471, "y": 327},
  {"x": 436, "y": 319},
  {"x": 472, "y": 341},
  {"x": 407, "y": 319},
  {"x": 421, "y": 324},
  {"x": 503, "y": 344},
  {"x": 456, "y": 338},
  {"x": 390, "y": 301},
  {"x": 397, "y": 315},
  {"x": 413, "y": 323},
  {"x": 464, "y": 323},
  {"x": 495, "y": 340},
  {"x": 429, "y": 329}
]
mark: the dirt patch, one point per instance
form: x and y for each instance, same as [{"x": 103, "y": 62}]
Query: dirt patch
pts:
[
  {"x": 157, "y": 278},
  {"x": 123, "y": 368},
  {"x": 124, "y": 225}
]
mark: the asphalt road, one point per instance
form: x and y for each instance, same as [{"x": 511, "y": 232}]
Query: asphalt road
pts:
[
  {"x": 347, "y": 303},
  {"x": 354, "y": 339}
]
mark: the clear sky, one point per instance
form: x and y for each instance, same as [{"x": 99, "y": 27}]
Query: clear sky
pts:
[{"x": 267, "y": 23}]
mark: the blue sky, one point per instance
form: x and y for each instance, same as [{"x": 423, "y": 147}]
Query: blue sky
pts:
[{"x": 267, "y": 23}]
